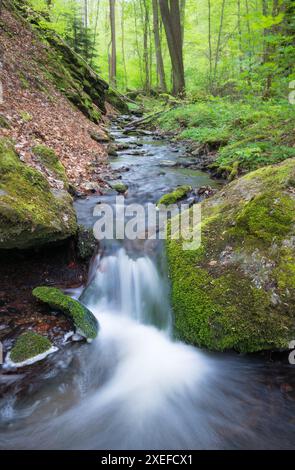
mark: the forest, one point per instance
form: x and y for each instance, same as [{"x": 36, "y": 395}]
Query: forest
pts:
[
  {"x": 199, "y": 48},
  {"x": 147, "y": 226}
]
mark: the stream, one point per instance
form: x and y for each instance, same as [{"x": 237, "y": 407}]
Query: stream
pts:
[{"x": 135, "y": 386}]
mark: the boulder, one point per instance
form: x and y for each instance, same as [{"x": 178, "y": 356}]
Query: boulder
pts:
[
  {"x": 237, "y": 291},
  {"x": 84, "y": 321},
  {"x": 31, "y": 213}
]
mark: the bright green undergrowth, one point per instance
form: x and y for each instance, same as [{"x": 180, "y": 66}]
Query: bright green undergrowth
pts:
[{"x": 246, "y": 136}]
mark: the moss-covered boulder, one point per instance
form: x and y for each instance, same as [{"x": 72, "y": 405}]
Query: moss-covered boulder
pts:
[
  {"x": 172, "y": 198},
  {"x": 28, "y": 346},
  {"x": 48, "y": 160},
  {"x": 117, "y": 101},
  {"x": 31, "y": 214},
  {"x": 85, "y": 322},
  {"x": 237, "y": 291},
  {"x": 86, "y": 243}
]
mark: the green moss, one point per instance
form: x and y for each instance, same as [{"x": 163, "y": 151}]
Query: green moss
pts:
[
  {"x": 30, "y": 214},
  {"x": 120, "y": 187},
  {"x": 84, "y": 321},
  {"x": 177, "y": 195},
  {"x": 29, "y": 345},
  {"x": 25, "y": 116},
  {"x": 116, "y": 100},
  {"x": 4, "y": 122},
  {"x": 237, "y": 291},
  {"x": 86, "y": 243},
  {"x": 48, "y": 158}
]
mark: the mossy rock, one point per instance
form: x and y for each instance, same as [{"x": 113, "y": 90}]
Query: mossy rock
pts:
[
  {"x": 31, "y": 214},
  {"x": 86, "y": 243},
  {"x": 4, "y": 123},
  {"x": 28, "y": 346},
  {"x": 117, "y": 101},
  {"x": 85, "y": 322},
  {"x": 237, "y": 291},
  {"x": 50, "y": 161},
  {"x": 172, "y": 198},
  {"x": 120, "y": 187}
]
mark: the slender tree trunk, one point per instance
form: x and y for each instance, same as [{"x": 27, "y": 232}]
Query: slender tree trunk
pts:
[
  {"x": 210, "y": 44},
  {"x": 123, "y": 43},
  {"x": 158, "y": 47},
  {"x": 217, "y": 56},
  {"x": 171, "y": 19},
  {"x": 182, "y": 18},
  {"x": 95, "y": 32},
  {"x": 137, "y": 43},
  {"x": 86, "y": 14},
  {"x": 113, "y": 58},
  {"x": 145, "y": 16},
  {"x": 240, "y": 35},
  {"x": 270, "y": 49}
]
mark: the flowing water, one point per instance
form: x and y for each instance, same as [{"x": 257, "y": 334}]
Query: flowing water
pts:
[{"x": 135, "y": 387}]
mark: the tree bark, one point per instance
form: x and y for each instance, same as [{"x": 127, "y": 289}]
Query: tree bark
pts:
[
  {"x": 158, "y": 47},
  {"x": 219, "y": 41},
  {"x": 123, "y": 43},
  {"x": 170, "y": 12},
  {"x": 210, "y": 44},
  {"x": 145, "y": 18},
  {"x": 113, "y": 58}
]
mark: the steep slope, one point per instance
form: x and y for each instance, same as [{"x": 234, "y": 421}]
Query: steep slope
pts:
[{"x": 50, "y": 97}]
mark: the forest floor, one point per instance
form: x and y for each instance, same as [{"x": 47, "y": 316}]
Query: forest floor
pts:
[{"x": 34, "y": 112}]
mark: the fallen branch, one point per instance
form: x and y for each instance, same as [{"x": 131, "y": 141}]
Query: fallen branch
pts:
[{"x": 148, "y": 118}]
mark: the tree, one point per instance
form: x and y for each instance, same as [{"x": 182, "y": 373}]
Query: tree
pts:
[
  {"x": 158, "y": 48},
  {"x": 113, "y": 56},
  {"x": 171, "y": 17}
]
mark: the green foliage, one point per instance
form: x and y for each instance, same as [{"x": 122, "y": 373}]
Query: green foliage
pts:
[
  {"x": 84, "y": 321},
  {"x": 246, "y": 135},
  {"x": 29, "y": 345}
]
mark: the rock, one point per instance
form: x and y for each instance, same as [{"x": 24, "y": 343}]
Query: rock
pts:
[
  {"x": 50, "y": 162},
  {"x": 85, "y": 322},
  {"x": 31, "y": 213},
  {"x": 120, "y": 187},
  {"x": 86, "y": 243},
  {"x": 237, "y": 291},
  {"x": 100, "y": 136},
  {"x": 112, "y": 150},
  {"x": 116, "y": 100},
  {"x": 28, "y": 346},
  {"x": 172, "y": 198},
  {"x": 4, "y": 123},
  {"x": 205, "y": 191}
]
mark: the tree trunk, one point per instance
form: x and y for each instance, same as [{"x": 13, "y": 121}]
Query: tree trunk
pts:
[
  {"x": 171, "y": 19},
  {"x": 145, "y": 17},
  {"x": 113, "y": 58},
  {"x": 158, "y": 47},
  {"x": 210, "y": 44},
  {"x": 182, "y": 18},
  {"x": 240, "y": 36},
  {"x": 123, "y": 43},
  {"x": 219, "y": 41}
]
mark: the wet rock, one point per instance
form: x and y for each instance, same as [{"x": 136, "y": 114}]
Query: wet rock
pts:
[
  {"x": 121, "y": 188},
  {"x": 86, "y": 243},
  {"x": 100, "y": 136},
  {"x": 85, "y": 322},
  {"x": 112, "y": 150},
  {"x": 28, "y": 346}
]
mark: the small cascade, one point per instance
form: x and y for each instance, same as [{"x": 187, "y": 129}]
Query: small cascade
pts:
[{"x": 129, "y": 286}]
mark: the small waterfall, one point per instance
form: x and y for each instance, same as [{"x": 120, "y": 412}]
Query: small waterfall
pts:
[{"x": 129, "y": 286}]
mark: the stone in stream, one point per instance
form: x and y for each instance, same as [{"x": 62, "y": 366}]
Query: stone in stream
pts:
[
  {"x": 30, "y": 347},
  {"x": 120, "y": 187},
  {"x": 85, "y": 322},
  {"x": 175, "y": 196}
]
